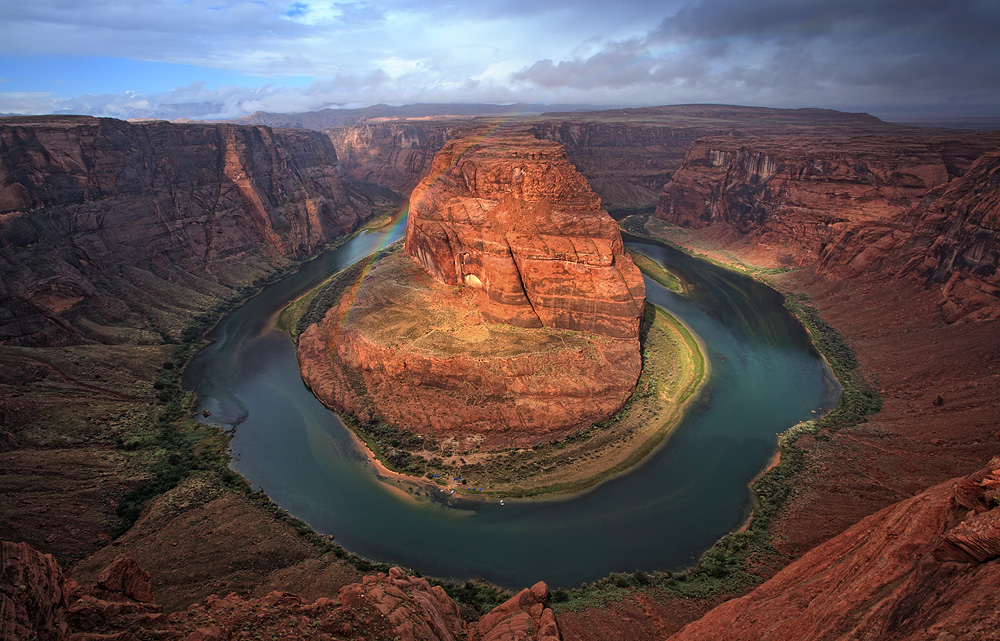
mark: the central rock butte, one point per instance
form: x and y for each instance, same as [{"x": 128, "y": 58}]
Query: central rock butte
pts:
[{"x": 516, "y": 321}]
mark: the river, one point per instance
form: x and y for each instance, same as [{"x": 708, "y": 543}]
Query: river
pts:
[{"x": 765, "y": 377}]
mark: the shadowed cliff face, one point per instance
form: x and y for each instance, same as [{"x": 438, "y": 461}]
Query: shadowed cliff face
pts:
[
  {"x": 947, "y": 242},
  {"x": 391, "y": 154},
  {"x": 96, "y": 213},
  {"x": 865, "y": 207}
]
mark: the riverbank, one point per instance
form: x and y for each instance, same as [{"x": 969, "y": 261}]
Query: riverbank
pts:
[{"x": 674, "y": 370}]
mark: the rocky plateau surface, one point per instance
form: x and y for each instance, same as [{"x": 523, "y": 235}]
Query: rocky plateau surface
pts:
[
  {"x": 110, "y": 222},
  {"x": 521, "y": 322}
]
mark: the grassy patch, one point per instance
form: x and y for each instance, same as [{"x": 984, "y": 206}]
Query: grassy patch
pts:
[
  {"x": 723, "y": 569},
  {"x": 636, "y": 226},
  {"x": 655, "y": 271}
]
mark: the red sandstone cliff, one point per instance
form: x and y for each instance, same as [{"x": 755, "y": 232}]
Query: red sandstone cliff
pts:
[
  {"x": 947, "y": 242},
  {"x": 924, "y": 568},
  {"x": 37, "y": 601},
  {"x": 518, "y": 251},
  {"x": 86, "y": 202},
  {"x": 395, "y": 155},
  {"x": 627, "y": 155},
  {"x": 515, "y": 220},
  {"x": 792, "y": 196}
]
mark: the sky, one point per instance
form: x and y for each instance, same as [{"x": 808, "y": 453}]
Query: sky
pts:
[{"x": 225, "y": 58}]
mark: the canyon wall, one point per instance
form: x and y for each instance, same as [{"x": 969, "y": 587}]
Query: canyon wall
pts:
[
  {"x": 392, "y": 154},
  {"x": 857, "y": 207},
  {"x": 947, "y": 242},
  {"x": 97, "y": 214},
  {"x": 627, "y": 155}
]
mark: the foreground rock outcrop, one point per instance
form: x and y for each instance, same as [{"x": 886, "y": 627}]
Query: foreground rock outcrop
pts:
[
  {"x": 924, "y": 568},
  {"x": 37, "y": 601},
  {"x": 103, "y": 222},
  {"x": 469, "y": 340}
]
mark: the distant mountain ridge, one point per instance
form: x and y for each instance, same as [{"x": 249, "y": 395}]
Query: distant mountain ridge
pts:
[{"x": 325, "y": 118}]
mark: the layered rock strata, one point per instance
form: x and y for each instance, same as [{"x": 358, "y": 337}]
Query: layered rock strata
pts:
[
  {"x": 627, "y": 155},
  {"x": 516, "y": 221},
  {"x": 395, "y": 155},
  {"x": 793, "y": 196},
  {"x": 924, "y": 568},
  {"x": 947, "y": 242},
  {"x": 37, "y": 601},
  {"x": 95, "y": 213},
  {"x": 516, "y": 322}
]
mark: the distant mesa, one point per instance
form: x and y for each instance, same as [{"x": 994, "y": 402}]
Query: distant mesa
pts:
[{"x": 512, "y": 318}]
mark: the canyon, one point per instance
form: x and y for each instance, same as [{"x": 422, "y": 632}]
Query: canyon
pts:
[
  {"x": 107, "y": 225},
  {"x": 888, "y": 230},
  {"x": 465, "y": 336}
]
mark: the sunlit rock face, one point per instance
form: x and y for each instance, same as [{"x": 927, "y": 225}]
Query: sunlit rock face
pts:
[
  {"x": 515, "y": 220},
  {"x": 511, "y": 319}
]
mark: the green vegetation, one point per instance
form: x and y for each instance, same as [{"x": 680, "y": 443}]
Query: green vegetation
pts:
[
  {"x": 726, "y": 567},
  {"x": 313, "y": 305},
  {"x": 175, "y": 443},
  {"x": 479, "y": 596},
  {"x": 636, "y": 226},
  {"x": 178, "y": 447},
  {"x": 655, "y": 271}
]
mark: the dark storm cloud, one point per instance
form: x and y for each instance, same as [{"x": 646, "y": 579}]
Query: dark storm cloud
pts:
[
  {"x": 306, "y": 54},
  {"x": 779, "y": 51}
]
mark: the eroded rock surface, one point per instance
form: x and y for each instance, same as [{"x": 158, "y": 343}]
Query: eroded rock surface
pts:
[
  {"x": 106, "y": 221},
  {"x": 515, "y": 220},
  {"x": 946, "y": 242},
  {"x": 38, "y": 602},
  {"x": 793, "y": 196},
  {"x": 924, "y": 568},
  {"x": 469, "y": 340}
]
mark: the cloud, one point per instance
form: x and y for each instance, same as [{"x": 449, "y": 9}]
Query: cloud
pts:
[
  {"x": 785, "y": 52},
  {"x": 855, "y": 54}
]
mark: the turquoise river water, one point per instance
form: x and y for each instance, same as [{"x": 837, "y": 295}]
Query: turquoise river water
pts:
[{"x": 765, "y": 377}]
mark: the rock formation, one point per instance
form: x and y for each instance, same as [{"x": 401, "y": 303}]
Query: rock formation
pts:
[
  {"x": 518, "y": 252},
  {"x": 513, "y": 219},
  {"x": 924, "y": 568},
  {"x": 38, "y": 602},
  {"x": 395, "y": 155},
  {"x": 792, "y": 196},
  {"x": 627, "y": 155},
  {"x": 95, "y": 213},
  {"x": 947, "y": 242}
]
